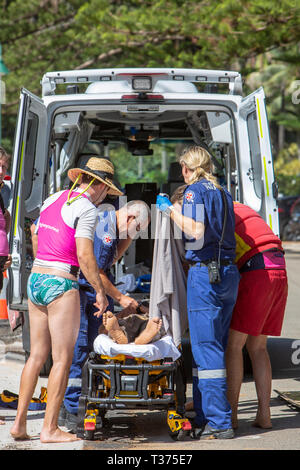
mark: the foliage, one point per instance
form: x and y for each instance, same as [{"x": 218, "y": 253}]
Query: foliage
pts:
[
  {"x": 150, "y": 165},
  {"x": 41, "y": 35},
  {"x": 287, "y": 169},
  {"x": 259, "y": 38}
]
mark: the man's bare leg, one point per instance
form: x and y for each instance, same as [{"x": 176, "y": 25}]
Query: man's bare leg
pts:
[
  {"x": 235, "y": 370},
  {"x": 110, "y": 322},
  {"x": 64, "y": 321},
  {"x": 262, "y": 374},
  {"x": 152, "y": 328},
  {"x": 39, "y": 350}
]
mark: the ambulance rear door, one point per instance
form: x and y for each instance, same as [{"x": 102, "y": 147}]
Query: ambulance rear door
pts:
[
  {"x": 30, "y": 159},
  {"x": 259, "y": 188}
]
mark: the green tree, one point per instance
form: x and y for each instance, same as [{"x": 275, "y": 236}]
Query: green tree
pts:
[{"x": 43, "y": 35}]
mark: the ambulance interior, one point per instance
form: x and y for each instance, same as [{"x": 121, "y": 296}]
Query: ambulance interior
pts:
[
  {"x": 146, "y": 142},
  {"x": 139, "y": 143}
]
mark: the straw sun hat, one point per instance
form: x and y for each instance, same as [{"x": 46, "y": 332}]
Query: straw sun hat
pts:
[{"x": 101, "y": 169}]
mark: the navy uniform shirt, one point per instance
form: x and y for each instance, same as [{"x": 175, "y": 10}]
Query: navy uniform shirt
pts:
[
  {"x": 105, "y": 245},
  {"x": 203, "y": 202}
]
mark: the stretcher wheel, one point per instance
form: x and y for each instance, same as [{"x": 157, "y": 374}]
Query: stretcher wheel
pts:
[
  {"x": 179, "y": 427},
  {"x": 179, "y": 435},
  {"x": 89, "y": 435}
]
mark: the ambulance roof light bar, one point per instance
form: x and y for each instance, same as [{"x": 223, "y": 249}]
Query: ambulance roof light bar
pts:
[{"x": 141, "y": 79}]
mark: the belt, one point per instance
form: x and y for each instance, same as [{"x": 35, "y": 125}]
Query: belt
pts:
[
  {"x": 74, "y": 270},
  {"x": 223, "y": 262}
]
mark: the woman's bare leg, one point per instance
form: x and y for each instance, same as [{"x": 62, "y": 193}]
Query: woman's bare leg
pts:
[
  {"x": 39, "y": 351},
  {"x": 262, "y": 374},
  {"x": 64, "y": 321},
  {"x": 235, "y": 370}
]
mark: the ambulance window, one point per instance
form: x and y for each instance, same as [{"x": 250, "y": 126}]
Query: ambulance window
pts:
[
  {"x": 255, "y": 171},
  {"x": 30, "y": 153}
]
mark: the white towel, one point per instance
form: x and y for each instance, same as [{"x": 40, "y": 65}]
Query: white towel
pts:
[{"x": 160, "y": 349}]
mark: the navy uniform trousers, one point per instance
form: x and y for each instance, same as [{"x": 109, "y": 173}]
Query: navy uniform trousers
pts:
[{"x": 210, "y": 309}]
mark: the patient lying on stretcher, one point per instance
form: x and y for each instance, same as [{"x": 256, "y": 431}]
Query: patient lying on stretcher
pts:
[{"x": 124, "y": 328}]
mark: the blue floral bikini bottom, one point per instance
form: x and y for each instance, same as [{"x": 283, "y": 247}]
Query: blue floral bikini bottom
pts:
[{"x": 42, "y": 289}]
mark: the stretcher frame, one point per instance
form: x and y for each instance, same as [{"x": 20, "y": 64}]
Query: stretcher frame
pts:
[{"x": 125, "y": 382}]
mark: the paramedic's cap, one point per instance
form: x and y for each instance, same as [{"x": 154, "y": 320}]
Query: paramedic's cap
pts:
[{"x": 101, "y": 169}]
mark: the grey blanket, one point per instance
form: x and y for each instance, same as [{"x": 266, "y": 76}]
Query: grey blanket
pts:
[{"x": 168, "y": 280}]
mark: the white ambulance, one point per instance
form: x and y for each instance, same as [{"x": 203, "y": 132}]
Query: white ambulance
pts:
[{"x": 138, "y": 109}]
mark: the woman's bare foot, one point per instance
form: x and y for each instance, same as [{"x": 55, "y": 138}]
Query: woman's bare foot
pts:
[
  {"x": 112, "y": 326},
  {"x": 57, "y": 436},
  {"x": 152, "y": 328},
  {"x": 263, "y": 420},
  {"x": 2, "y": 420}
]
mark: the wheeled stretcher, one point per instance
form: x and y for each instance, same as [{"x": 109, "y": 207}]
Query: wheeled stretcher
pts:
[{"x": 124, "y": 381}]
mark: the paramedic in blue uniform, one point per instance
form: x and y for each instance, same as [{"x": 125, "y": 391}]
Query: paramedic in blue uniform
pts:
[
  {"x": 210, "y": 300},
  {"x": 114, "y": 232}
]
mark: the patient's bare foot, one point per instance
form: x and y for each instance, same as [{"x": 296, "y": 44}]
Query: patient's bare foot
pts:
[
  {"x": 152, "y": 328},
  {"x": 112, "y": 326}
]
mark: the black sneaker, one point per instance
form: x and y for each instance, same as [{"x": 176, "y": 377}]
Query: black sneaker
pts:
[{"x": 211, "y": 433}]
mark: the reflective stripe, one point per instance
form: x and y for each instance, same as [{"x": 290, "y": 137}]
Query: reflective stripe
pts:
[
  {"x": 209, "y": 374},
  {"x": 266, "y": 176},
  {"x": 76, "y": 382},
  {"x": 259, "y": 118}
]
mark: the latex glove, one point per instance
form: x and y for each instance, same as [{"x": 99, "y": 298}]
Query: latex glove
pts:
[{"x": 164, "y": 204}]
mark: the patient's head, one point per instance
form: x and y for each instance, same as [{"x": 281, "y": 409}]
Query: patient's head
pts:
[{"x": 177, "y": 196}]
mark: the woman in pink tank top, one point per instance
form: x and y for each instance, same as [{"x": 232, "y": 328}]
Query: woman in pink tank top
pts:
[{"x": 56, "y": 238}]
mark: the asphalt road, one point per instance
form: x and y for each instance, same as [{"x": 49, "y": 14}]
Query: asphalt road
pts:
[{"x": 140, "y": 431}]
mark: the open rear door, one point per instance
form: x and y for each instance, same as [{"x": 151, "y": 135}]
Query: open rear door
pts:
[
  {"x": 255, "y": 159},
  {"x": 30, "y": 159}
]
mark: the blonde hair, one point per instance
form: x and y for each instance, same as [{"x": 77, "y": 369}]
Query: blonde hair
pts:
[{"x": 198, "y": 160}]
